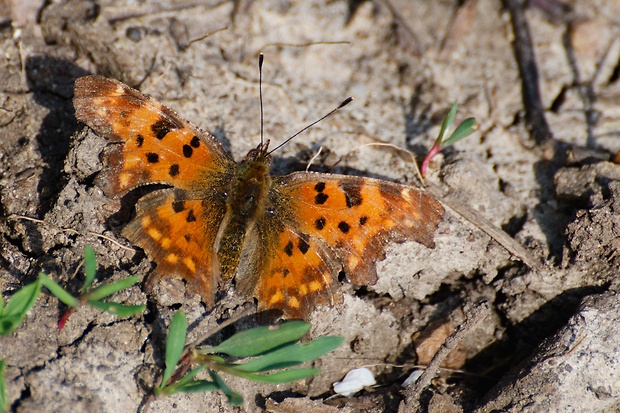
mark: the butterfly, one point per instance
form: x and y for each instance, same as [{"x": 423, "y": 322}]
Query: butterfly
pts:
[{"x": 283, "y": 239}]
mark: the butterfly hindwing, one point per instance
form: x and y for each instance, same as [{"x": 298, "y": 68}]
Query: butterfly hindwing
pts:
[
  {"x": 299, "y": 274},
  {"x": 178, "y": 234}
]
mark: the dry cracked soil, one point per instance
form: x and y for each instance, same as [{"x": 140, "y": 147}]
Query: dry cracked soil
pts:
[{"x": 523, "y": 274}]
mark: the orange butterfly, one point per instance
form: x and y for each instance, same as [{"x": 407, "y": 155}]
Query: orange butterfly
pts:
[{"x": 284, "y": 239}]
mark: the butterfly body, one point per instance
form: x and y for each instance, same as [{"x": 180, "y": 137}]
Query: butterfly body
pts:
[
  {"x": 246, "y": 201},
  {"x": 285, "y": 239}
]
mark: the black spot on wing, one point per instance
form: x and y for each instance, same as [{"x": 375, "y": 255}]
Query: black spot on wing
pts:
[
  {"x": 320, "y": 223},
  {"x": 352, "y": 193},
  {"x": 190, "y": 216},
  {"x": 195, "y": 142},
  {"x": 303, "y": 244},
  {"x": 139, "y": 140},
  {"x": 320, "y": 198},
  {"x": 174, "y": 170},
  {"x": 363, "y": 220},
  {"x": 178, "y": 205},
  {"x": 344, "y": 227},
  {"x": 319, "y": 187},
  {"x": 152, "y": 157},
  {"x": 288, "y": 249},
  {"x": 163, "y": 126},
  {"x": 187, "y": 151}
]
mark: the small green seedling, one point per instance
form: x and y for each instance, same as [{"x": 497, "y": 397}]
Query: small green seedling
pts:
[
  {"x": 11, "y": 316},
  {"x": 4, "y": 400},
  {"x": 274, "y": 350},
  {"x": 95, "y": 296},
  {"x": 14, "y": 312},
  {"x": 466, "y": 128}
]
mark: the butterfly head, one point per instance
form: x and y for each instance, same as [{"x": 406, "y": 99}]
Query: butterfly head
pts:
[{"x": 259, "y": 154}]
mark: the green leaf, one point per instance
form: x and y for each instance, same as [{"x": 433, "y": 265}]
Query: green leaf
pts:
[
  {"x": 58, "y": 291},
  {"x": 174, "y": 344},
  {"x": 23, "y": 299},
  {"x": 17, "y": 307},
  {"x": 186, "y": 380},
  {"x": 447, "y": 122},
  {"x": 233, "y": 398},
  {"x": 4, "y": 400},
  {"x": 195, "y": 386},
  {"x": 258, "y": 340},
  {"x": 9, "y": 323},
  {"x": 105, "y": 290},
  {"x": 90, "y": 267},
  {"x": 190, "y": 375},
  {"x": 292, "y": 355},
  {"x": 466, "y": 128},
  {"x": 279, "y": 377},
  {"x": 117, "y": 309}
]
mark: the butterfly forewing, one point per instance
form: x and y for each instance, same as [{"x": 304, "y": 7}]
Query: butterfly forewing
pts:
[{"x": 157, "y": 146}]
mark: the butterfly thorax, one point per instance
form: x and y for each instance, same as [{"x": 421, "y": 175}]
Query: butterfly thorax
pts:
[{"x": 246, "y": 200}]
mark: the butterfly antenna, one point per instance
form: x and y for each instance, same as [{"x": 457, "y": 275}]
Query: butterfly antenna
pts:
[
  {"x": 260, "y": 96},
  {"x": 342, "y": 105}
]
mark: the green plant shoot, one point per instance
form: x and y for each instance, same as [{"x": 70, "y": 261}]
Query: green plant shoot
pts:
[
  {"x": 93, "y": 296},
  {"x": 275, "y": 350},
  {"x": 465, "y": 128},
  {"x": 16, "y": 309}
]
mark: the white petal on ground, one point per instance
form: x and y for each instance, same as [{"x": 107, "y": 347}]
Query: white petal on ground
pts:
[
  {"x": 354, "y": 381},
  {"x": 412, "y": 378}
]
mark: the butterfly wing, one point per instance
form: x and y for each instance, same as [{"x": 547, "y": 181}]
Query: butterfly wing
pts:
[
  {"x": 176, "y": 227},
  {"x": 321, "y": 224},
  {"x": 287, "y": 269},
  {"x": 157, "y": 146},
  {"x": 177, "y": 231}
]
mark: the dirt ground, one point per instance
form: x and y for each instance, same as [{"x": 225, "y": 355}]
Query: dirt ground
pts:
[{"x": 540, "y": 170}]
